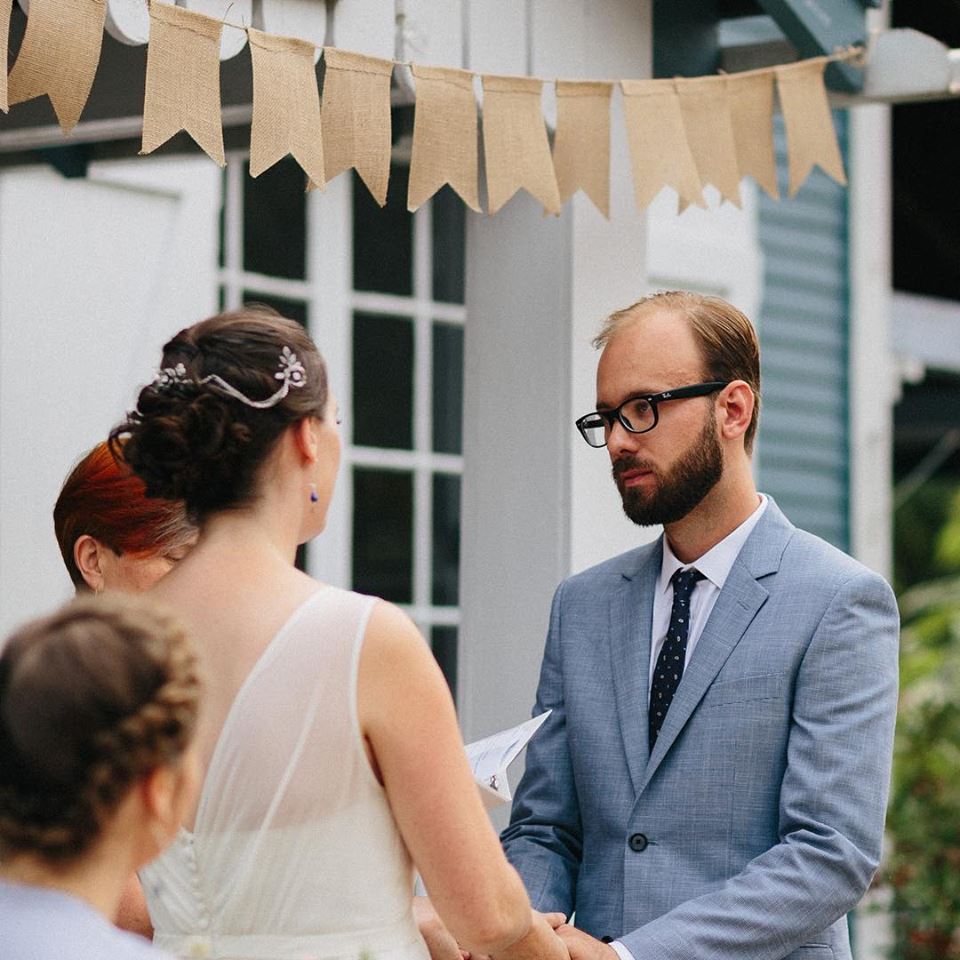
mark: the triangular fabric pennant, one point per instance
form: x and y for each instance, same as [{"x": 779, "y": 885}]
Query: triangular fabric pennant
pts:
[
  {"x": 356, "y": 118},
  {"x": 811, "y": 138},
  {"x": 709, "y": 128},
  {"x": 183, "y": 80},
  {"x": 750, "y": 96},
  {"x": 515, "y": 145},
  {"x": 659, "y": 151},
  {"x": 59, "y": 55},
  {"x": 444, "y": 136},
  {"x": 6, "y": 6},
  {"x": 286, "y": 105},
  {"x": 581, "y": 145}
]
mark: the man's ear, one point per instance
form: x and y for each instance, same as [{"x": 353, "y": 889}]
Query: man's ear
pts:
[
  {"x": 88, "y": 556},
  {"x": 305, "y": 439},
  {"x": 737, "y": 402}
]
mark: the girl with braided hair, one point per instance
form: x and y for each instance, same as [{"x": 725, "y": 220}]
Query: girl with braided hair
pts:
[{"x": 98, "y": 704}]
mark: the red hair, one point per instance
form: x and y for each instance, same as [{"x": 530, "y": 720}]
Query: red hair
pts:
[{"x": 104, "y": 499}]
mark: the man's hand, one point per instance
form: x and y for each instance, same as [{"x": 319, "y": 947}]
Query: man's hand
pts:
[
  {"x": 584, "y": 947},
  {"x": 439, "y": 939}
]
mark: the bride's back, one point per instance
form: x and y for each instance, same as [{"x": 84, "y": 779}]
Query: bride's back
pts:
[{"x": 293, "y": 842}]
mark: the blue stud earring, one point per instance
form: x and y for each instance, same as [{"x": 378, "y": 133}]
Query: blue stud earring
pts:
[{"x": 314, "y": 496}]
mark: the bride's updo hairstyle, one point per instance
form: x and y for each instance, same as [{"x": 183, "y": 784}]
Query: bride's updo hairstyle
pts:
[
  {"x": 203, "y": 428},
  {"x": 92, "y": 699}
]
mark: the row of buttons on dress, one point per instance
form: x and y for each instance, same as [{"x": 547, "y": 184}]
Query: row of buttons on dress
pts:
[{"x": 199, "y": 947}]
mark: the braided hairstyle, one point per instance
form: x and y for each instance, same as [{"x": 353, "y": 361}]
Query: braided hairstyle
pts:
[
  {"x": 92, "y": 698},
  {"x": 193, "y": 441}
]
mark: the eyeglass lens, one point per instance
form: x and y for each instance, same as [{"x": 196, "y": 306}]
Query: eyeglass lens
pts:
[{"x": 638, "y": 415}]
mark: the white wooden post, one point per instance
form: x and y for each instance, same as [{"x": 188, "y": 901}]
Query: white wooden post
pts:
[{"x": 537, "y": 502}]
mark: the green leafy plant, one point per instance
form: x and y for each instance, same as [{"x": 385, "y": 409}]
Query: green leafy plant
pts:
[{"x": 923, "y": 821}]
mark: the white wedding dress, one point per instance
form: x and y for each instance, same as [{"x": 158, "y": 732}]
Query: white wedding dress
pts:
[{"x": 294, "y": 852}]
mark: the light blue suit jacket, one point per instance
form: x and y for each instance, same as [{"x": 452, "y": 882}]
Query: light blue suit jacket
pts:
[{"x": 755, "y": 824}]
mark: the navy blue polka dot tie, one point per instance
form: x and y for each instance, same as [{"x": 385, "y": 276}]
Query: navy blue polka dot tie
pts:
[{"x": 669, "y": 669}]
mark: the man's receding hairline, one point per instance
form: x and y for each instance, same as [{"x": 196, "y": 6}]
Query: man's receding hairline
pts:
[{"x": 642, "y": 311}]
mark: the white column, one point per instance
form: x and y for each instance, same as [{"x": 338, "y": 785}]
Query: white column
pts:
[
  {"x": 537, "y": 502},
  {"x": 873, "y": 378}
]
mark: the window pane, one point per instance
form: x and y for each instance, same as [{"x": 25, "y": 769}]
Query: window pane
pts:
[
  {"x": 275, "y": 221},
  {"x": 449, "y": 246},
  {"x": 383, "y": 237},
  {"x": 443, "y": 641},
  {"x": 222, "y": 257},
  {"x": 383, "y": 533},
  {"x": 294, "y": 309},
  {"x": 382, "y": 381},
  {"x": 447, "y": 388},
  {"x": 446, "y": 539}
]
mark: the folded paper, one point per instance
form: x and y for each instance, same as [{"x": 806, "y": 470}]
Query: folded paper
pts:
[
  {"x": 183, "y": 80},
  {"x": 659, "y": 152},
  {"x": 750, "y": 96},
  {"x": 515, "y": 146},
  {"x": 444, "y": 136},
  {"x": 709, "y": 128},
  {"x": 286, "y": 105},
  {"x": 356, "y": 118},
  {"x": 59, "y": 55},
  {"x": 811, "y": 139},
  {"x": 581, "y": 145}
]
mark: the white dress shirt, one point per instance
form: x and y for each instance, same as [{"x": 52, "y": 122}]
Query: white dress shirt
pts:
[{"x": 715, "y": 565}]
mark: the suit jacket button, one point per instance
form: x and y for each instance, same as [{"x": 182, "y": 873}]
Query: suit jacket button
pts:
[{"x": 638, "y": 842}]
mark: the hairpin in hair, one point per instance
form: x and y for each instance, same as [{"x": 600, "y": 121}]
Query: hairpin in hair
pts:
[
  {"x": 291, "y": 373},
  {"x": 168, "y": 376}
]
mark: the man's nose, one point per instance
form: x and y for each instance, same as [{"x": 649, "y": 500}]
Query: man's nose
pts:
[{"x": 621, "y": 441}]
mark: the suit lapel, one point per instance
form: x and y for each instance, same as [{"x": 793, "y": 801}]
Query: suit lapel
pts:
[
  {"x": 631, "y": 620},
  {"x": 739, "y": 601}
]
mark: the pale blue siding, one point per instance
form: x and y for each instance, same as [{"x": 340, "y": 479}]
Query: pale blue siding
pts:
[{"x": 803, "y": 452}]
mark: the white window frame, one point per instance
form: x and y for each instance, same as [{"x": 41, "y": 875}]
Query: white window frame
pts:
[{"x": 327, "y": 290}]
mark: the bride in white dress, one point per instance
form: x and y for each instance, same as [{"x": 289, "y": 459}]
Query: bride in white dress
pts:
[{"x": 332, "y": 755}]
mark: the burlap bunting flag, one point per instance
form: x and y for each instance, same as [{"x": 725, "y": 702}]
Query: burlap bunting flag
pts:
[
  {"x": 515, "y": 145},
  {"x": 444, "y": 136},
  {"x": 356, "y": 118},
  {"x": 183, "y": 80},
  {"x": 286, "y": 105},
  {"x": 658, "y": 143},
  {"x": 709, "y": 129},
  {"x": 5, "y": 7},
  {"x": 811, "y": 139},
  {"x": 59, "y": 55},
  {"x": 581, "y": 145},
  {"x": 751, "y": 109}
]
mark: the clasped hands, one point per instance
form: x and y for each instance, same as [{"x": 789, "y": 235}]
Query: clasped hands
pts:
[{"x": 442, "y": 946}]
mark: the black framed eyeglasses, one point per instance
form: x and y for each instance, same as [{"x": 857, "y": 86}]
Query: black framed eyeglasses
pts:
[{"x": 638, "y": 414}]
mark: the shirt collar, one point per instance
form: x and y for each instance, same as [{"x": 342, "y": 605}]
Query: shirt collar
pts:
[{"x": 718, "y": 561}]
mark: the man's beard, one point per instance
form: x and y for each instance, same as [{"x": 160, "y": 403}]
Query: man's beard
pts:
[{"x": 678, "y": 491}]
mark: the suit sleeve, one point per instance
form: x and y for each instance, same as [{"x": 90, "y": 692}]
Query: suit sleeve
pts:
[
  {"x": 832, "y": 800},
  {"x": 543, "y": 840}
]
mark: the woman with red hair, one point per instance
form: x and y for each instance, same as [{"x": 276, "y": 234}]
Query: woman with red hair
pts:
[
  {"x": 111, "y": 534},
  {"x": 114, "y": 537}
]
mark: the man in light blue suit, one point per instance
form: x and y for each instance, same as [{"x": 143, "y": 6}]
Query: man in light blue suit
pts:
[{"x": 712, "y": 782}]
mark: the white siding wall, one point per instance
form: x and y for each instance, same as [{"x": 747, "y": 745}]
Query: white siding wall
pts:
[{"x": 95, "y": 275}]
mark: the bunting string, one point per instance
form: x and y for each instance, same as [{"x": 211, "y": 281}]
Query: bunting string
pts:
[{"x": 684, "y": 133}]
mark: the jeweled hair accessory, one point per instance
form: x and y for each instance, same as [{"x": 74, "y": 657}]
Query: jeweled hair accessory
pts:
[
  {"x": 291, "y": 373},
  {"x": 168, "y": 376}
]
